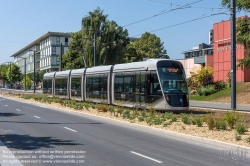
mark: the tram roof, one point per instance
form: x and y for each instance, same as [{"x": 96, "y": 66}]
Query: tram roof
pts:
[
  {"x": 99, "y": 69},
  {"x": 149, "y": 64}
]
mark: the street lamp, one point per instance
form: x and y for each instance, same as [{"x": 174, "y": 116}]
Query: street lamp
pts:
[{"x": 34, "y": 70}]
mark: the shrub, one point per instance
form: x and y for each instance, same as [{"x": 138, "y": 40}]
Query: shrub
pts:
[
  {"x": 197, "y": 121},
  {"x": 111, "y": 109},
  {"x": 185, "y": 119},
  {"x": 238, "y": 137},
  {"x": 248, "y": 139},
  {"x": 231, "y": 117},
  {"x": 126, "y": 114},
  {"x": 221, "y": 124},
  {"x": 103, "y": 108},
  {"x": 141, "y": 119},
  {"x": 241, "y": 128},
  {"x": 210, "y": 121},
  {"x": 60, "y": 101},
  {"x": 193, "y": 92},
  {"x": 120, "y": 111}
]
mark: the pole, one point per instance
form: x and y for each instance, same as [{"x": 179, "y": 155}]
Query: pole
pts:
[
  {"x": 84, "y": 60},
  {"x": 24, "y": 74},
  {"x": 34, "y": 72},
  {"x": 94, "y": 46},
  {"x": 233, "y": 55},
  {"x": 61, "y": 58},
  {"x": 10, "y": 76}
]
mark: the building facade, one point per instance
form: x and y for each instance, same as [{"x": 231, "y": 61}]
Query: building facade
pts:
[
  {"x": 197, "y": 57},
  {"x": 46, "y": 50},
  {"x": 222, "y": 54},
  {"x": 216, "y": 54}
]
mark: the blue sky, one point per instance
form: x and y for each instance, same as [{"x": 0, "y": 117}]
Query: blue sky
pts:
[{"x": 23, "y": 21}]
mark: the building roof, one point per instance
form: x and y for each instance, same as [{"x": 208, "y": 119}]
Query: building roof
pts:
[{"x": 37, "y": 41}]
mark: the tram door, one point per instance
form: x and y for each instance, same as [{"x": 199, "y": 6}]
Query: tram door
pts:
[{"x": 153, "y": 88}]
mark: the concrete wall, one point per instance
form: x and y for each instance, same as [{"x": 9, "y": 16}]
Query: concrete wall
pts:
[{"x": 189, "y": 65}]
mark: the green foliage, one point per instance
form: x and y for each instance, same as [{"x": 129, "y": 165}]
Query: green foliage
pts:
[
  {"x": 205, "y": 91},
  {"x": 248, "y": 139},
  {"x": 210, "y": 120},
  {"x": 186, "y": 119},
  {"x": 240, "y": 4},
  {"x": 148, "y": 46},
  {"x": 111, "y": 109},
  {"x": 231, "y": 117},
  {"x": 240, "y": 128},
  {"x": 28, "y": 82},
  {"x": 201, "y": 77},
  {"x": 13, "y": 73},
  {"x": 111, "y": 42},
  {"x": 220, "y": 124},
  {"x": 237, "y": 137},
  {"x": 126, "y": 114}
]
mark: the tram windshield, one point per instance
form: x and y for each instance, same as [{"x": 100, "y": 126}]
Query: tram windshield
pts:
[{"x": 172, "y": 79}]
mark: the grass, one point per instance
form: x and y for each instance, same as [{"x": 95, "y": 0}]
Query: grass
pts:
[
  {"x": 242, "y": 89},
  {"x": 220, "y": 94}
]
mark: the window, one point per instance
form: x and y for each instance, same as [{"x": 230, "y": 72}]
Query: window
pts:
[
  {"x": 61, "y": 86},
  {"x": 57, "y": 40},
  {"x": 53, "y": 50},
  {"x": 66, "y": 41},
  {"x": 47, "y": 86},
  {"x": 76, "y": 86}
]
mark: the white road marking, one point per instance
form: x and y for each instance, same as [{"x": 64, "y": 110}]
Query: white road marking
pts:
[
  {"x": 17, "y": 109},
  {"x": 6, "y": 105},
  {"x": 146, "y": 157},
  {"x": 37, "y": 117},
  {"x": 70, "y": 129}
]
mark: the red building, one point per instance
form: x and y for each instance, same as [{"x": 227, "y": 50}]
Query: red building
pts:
[{"x": 222, "y": 54}]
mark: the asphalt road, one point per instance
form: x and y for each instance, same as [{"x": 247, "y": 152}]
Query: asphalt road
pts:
[{"x": 42, "y": 134}]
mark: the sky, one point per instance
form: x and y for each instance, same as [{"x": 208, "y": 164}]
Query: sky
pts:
[{"x": 180, "y": 24}]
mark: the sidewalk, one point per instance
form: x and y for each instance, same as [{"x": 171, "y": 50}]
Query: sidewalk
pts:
[{"x": 218, "y": 105}]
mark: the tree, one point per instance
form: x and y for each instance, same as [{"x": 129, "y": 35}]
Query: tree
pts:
[
  {"x": 240, "y": 4},
  {"x": 3, "y": 71},
  {"x": 111, "y": 42},
  {"x": 14, "y": 74},
  {"x": 148, "y": 46},
  {"x": 38, "y": 76},
  {"x": 243, "y": 37},
  {"x": 28, "y": 82}
]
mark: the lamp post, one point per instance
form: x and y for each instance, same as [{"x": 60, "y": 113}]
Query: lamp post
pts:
[
  {"x": 34, "y": 76},
  {"x": 61, "y": 57}
]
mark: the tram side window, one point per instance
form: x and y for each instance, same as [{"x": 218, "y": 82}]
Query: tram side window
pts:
[
  {"x": 118, "y": 83},
  {"x": 76, "y": 86},
  {"x": 47, "y": 86},
  {"x": 128, "y": 82},
  {"x": 61, "y": 86},
  {"x": 154, "y": 88},
  {"x": 89, "y": 86}
]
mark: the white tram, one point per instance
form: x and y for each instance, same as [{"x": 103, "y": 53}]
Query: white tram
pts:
[{"x": 160, "y": 83}]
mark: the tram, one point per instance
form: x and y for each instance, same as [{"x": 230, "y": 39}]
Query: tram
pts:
[{"x": 157, "y": 83}]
